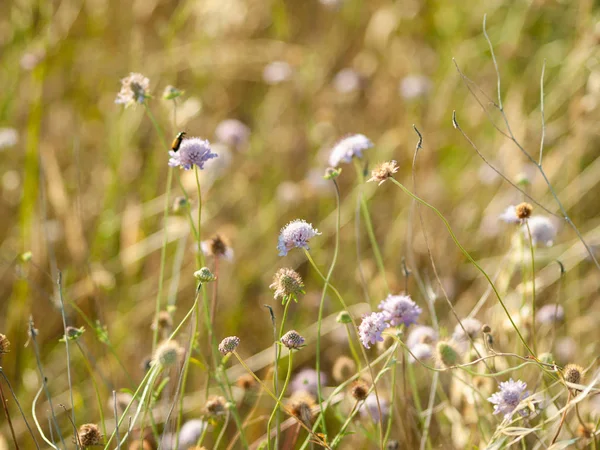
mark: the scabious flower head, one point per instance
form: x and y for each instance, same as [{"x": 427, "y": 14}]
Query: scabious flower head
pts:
[
  {"x": 510, "y": 215},
  {"x": 217, "y": 247},
  {"x": 245, "y": 381},
  {"x": 171, "y": 93},
  {"x": 542, "y": 230},
  {"x": 400, "y": 309},
  {"x": 277, "y": 72},
  {"x": 383, "y": 171},
  {"x": 414, "y": 86},
  {"x": 523, "y": 210},
  {"x": 421, "y": 334},
  {"x": 167, "y": 354},
  {"x": 302, "y": 405},
  {"x": 216, "y": 406},
  {"x": 229, "y": 344},
  {"x": 307, "y": 380},
  {"x": 190, "y": 432},
  {"x": 134, "y": 89},
  {"x": 359, "y": 390},
  {"x": 4, "y": 345},
  {"x": 573, "y": 373},
  {"x": 421, "y": 351},
  {"x": 343, "y": 368},
  {"x": 287, "y": 283},
  {"x": 470, "y": 328},
  {"x": 447, "y": 354},
  {"x": 346, "y": 80},
  {"x": 297, "y": 233},
  {"x": 233, "y": 133},
  {"x": 369, "y": 408},
  {"x": 192, "y": 151},
  {"x": 347, "y": 148},
  {"x": 371, "y": 327},
  {"x": 89, "y": 435},
  {"x": 549, "y": 314},
  {"x": 163, "y": 322},
  {"x": 205, "y": 275},
  {"x": 509, "y": 396},
  {"x": 292, "y": 340}
]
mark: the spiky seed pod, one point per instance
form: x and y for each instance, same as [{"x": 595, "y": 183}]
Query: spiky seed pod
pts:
[
  {"x": 229, "y": 344},
  {"x": 216, "y": 246},
  {"x": 246, "y": 381},
  {"x": 359, "y": 390},
  {"x": 216, "y": 406},
  {"x": 292, "y": 340},
  {"x": 4, "y": 345},
  {"x": 163, "y": 322},
  {"x": 573, "y": 373},
  {"x": 523, "y": 210},
  {"x": 301, "y": 405},
  {"x": 167, "y": 354},
  {"x": 486, "y": 329},
  {"x": 343, "y": 368},
  {"x": 447, "y": 354},
  {"x": 89, "y": 435},
  {"x": 287, "y": 283},
  {"x": 204, "y": 275}
]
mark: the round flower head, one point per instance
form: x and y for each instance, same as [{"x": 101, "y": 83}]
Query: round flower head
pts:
[
  {"x": 229, "y": 344},
  {"x": 204, "y": 275},
  {"x": 347, "y": 148},
  {"x": 542, "y": 230},
  {"x": 400, "y": 309},
  {"x": 510, "y": 215},
  {"x": 414, "y": 86},
  {"x": 359, "y": 390},
  {"x": 447, "y": 354},
  {"x": 371, "y": 327},
  {"x": 523, "y": 210},
  {"x": 343, "y": 368},
  {"x": 216, "y": 406},
  {"x": 383, "y": 171},
  {"x": 421, "y": 351},
  {"x": 167, "y": 354},
  {"x": 134, "y": 89},
  {"x": 233, "y": 133},
  {"x": 369, "y": 407},
  {"x": 306, "y": 380},
  {"x": 277, "y": 72},
  {"x": 217, "y": 247},
  {"x": 302, "y": 405},
  {"x": 421, "y": 334},
  {"x": 470, "y": 328},
  {"x": 297, "y": 233},
  {"x": 192, "y": 151},
  {"x": 509, "y": 396},
  {"x": 346, "y": 80},
  {"x": 287, "y": 283},
  {"x": 292, "y": 340},
  {"x": 4, "y": 345},
  {"x": 573, "y": 373},
  {"x": 190, "y": 432},
  {"x": 89, "y": 435},
  {"x": 549, "y": 314}
]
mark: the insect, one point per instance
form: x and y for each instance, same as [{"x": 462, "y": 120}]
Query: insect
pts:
[{"x": 177, "y": 141}]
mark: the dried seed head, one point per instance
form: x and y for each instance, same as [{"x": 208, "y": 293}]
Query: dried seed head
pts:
[
  {"x": 216, "y": 406},
  {"x": 204, "y": 275},
  {"x": 343, "y": 368},
  {"x": 4, "y": 345},
  {"x": 229, "y": 344},
  {"x": 287, "y": 283},
  {"x": 301, "y": 405},
  {"x": 573, "y": 373},
  {"x": 246, "y": 381},
  {"x": 134, "y": 89},
  {"x": 523, "y": 210},
  {"x": 217, "y": 247},
  {"x": 89, "y": 435},
  {"x": 167, "y": 354},
  {"x": 359, "y": 390},
  {"x": 163, "y": 322},
  {"x": 447, "y": 354},
  {"x": 486, "y": 329},
  {"x": 383, "y": 171},
  {"x": 292, "y": 340}
]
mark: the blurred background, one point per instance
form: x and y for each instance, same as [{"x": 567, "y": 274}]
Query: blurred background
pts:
[{"x": 82, "y": 179}]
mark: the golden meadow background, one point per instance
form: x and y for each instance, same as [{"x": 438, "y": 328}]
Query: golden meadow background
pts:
[{"x": 82, "y": 188}]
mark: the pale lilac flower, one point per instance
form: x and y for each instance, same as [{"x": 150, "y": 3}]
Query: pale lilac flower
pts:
[
  {"x": 277, "y": 72},
  {"x": 306, "y": 380},
  {"x": 292, "y": 340},
  {"x": 297, "y": 233},
  {"x": 371, "y": 327},
  {"x": 369, "y": 408},
  {"x": 548, "y": 314},
  {"x": 347, "y": 148},
  {"x": 471, "y": 326},
  {"x": 421, "y": 334},
  {"x": 414, "y": 86},
  {"x": 400, "y": 309},
  {"x": 421, "y": 351},
  {"x": 510, "y": 215},
  {"x": 229, "y": 344},
  {"x": 190, "y": 432},
  {"x": 233, "y": 133},
  {"x": 192, "y": 151},
  {"x": 346, "y": 81},
  {"x": 134, "y": 89},
  {"x": 542, "y": 230},
  {"x": 509, "y": 396},
  {"x": 8, "y": 137}
]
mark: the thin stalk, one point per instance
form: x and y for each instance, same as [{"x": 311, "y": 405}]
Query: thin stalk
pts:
[
  {"x": 223, "y": 429},
  {"x": 275, "y": 374},
  {"x": 8, "y": 419},
  {"x": 12, "y": 392},
  {"x": 469, "y": 257},
  {"x": 37, "y": 424},
  {"x": 532, "y": 249},
  {"x": 369, "y": 226},
  {"x": 95, "y": 385},
  {"x": 353, "y": 348},
  {"x": 276, "y": 409},
  {"x": 392, "y": 400},
  {"x": 345, "y": 425},
  {"x": 116, "y": 412}
]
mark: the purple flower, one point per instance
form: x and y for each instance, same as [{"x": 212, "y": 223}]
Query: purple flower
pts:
[
  {"x": 277, "y": 72},
  {"x": 509, "y": 396},
  {"x": 297, "y": 233},
  {"x": 400, "y": 309},
  {"x": 191, "y": 431},
  {"x": 347, "y": 148},
  {"x": 306, "y": 380},
  {"x": 134, "y": 89},
  {"x": 414, "y": 86},
  {"x": 549, "y": 314},
  {"x": 510, "y": 215},
  {"x": 542, "y": 230},
  {"x": 371, "y": 328},
  {"x": 421, "y": 334},
  {"x": 422, "y": 352},
  {"x": 346, "y": 81},
  {"x": 369, "y": 407},
  {"x": 192, "y": 151},
  {"x": 233, "y": 133}
]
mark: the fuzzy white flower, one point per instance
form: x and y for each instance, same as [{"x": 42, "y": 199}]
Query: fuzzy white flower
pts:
[
  {"x": 542, "y": 230},
  {"x": 297, "y": 233},
  {"x": 192, "y": 151},
  {"x": 347, "y": 148}
]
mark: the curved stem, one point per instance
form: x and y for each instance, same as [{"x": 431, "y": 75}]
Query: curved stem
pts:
[{"x": 279, "y": 401}]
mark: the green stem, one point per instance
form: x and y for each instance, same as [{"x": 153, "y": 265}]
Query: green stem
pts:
[
  {"x": 531, "y": 247},
  {"x": 369, "y": 225},
  {"x": 353, "y": 348},
  {"x": 275, "y": 411},
  {"x": 469, "y": 257},
  {"x": 276, "y": 381},
  {"x": 93, "y": 379}
]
